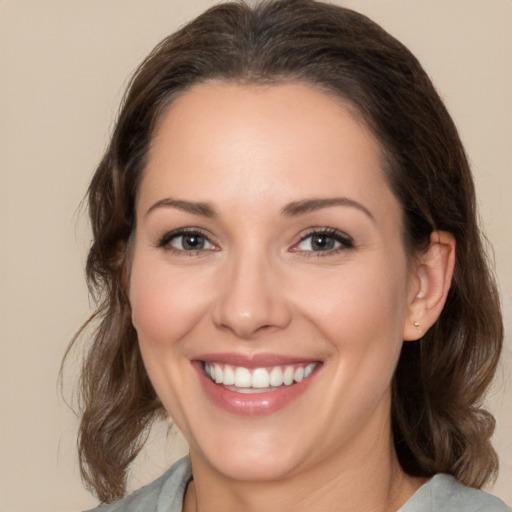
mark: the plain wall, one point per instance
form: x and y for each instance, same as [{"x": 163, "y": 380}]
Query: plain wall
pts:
[{"x": 63, "y": 67}]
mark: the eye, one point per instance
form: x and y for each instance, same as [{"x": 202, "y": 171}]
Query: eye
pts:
[
  {"x": 186, "y": 240},
  {"x": 326, "y": 240}
]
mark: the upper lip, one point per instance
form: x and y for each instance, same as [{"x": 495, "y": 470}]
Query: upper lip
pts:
[{"x": 253, "y": 360}]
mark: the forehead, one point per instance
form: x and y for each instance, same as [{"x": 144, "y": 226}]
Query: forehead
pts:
[{"x": 272, "y": 143}]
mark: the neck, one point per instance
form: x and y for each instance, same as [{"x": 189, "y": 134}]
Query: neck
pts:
[{"x": 372, "y": 482}]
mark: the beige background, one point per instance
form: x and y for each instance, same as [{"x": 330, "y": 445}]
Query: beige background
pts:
[{"x": 63, "y": 66}]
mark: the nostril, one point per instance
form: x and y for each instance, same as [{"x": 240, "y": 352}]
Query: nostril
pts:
[{"x": 247, "y": 304}]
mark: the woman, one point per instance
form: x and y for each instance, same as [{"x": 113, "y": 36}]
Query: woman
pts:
[{"x": 288, "y": 264}]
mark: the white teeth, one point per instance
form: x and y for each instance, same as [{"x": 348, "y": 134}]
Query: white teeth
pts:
[
  {"x": 260, "y": 378},
  {"x": 217, "y": 374},
  {"x": 276, "y": 376},
  {"x": 288, "y": 375},
  {"x": 309, "y": 369},
  {"x": 242, "y": 377},
  {"x": 229, "y": 376},
  {"x": 244, "y": 380}
]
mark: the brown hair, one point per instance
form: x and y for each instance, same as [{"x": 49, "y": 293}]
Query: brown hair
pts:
[{"x": 438, "y": 424}]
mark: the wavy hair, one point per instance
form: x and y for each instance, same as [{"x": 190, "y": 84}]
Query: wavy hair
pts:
[{"x": 440, "y": 381}]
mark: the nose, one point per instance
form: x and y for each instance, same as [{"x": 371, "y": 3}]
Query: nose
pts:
[{"x": 251, "y": 301}]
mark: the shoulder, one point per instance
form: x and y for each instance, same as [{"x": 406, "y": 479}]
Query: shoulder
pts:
[
  {"x": 443, "y": 493},
  {"x": 164, "y": 493}
]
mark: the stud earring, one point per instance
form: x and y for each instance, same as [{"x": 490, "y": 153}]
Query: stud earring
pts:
[{"x": 416, "y": 324}]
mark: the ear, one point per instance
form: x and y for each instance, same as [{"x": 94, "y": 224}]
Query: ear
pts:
[{"x": 429, "y": 285}]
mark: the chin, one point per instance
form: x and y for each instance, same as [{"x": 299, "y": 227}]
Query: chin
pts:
[
  {"x": 259, "y": 460},
  {"x": 254, "y": 467}
]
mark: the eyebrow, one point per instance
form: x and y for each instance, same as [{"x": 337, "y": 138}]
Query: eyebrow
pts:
[
  {"x": 195, "y": 208},
  {"x": 311, "y": 205},
  {"x": 292, "y": 209}
]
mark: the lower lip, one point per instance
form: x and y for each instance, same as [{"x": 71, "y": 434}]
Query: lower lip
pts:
[{"x": 253, "y": 404}]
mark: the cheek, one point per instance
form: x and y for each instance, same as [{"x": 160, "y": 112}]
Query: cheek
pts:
[
  {"x": 360, "y": 315},
  {"x": 362, "y": 306},
  {"x": 360, "y": 300},
  {"x": 165, "y": 304}
]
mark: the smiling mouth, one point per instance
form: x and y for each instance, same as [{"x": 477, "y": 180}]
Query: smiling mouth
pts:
[{"x": 257, "y": 380}]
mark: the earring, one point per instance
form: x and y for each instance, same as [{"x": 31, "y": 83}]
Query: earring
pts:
[{"x": 416, "y": 324}]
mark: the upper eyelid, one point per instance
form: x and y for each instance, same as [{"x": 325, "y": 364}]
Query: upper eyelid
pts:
[
  {"x": 342, "y": 236},
  {"x": 169, "y": 235},
  {"x": 333, "y": 232},
  {"x": 346, "y": 242}
]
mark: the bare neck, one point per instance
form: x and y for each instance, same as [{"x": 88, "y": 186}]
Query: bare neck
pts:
[{"x": 373, "y": 483}]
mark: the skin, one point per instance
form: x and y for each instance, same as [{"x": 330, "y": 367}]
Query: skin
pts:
[{"x": 256, "y": 286}]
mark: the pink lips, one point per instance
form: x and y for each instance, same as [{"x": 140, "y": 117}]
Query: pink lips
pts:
[{"x": 255, "y": 404}]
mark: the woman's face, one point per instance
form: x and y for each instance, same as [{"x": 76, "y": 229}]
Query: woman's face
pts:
[{"x": 268, "y": 253}]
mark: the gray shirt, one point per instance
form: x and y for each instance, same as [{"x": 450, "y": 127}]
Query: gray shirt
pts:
[{"x": 440, "y": 494}]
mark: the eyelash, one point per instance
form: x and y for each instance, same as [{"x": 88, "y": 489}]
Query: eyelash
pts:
[
  {"x": 165, "y": 241},
  {"x": 345, "y": 242}
]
